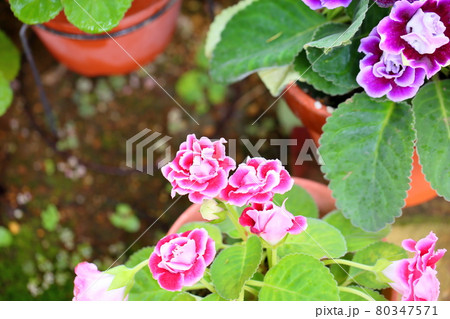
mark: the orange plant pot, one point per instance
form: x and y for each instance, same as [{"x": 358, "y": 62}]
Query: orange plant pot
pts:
[
  {"x": 319, "y": 192},
  {"x": 143, "y": 33},
  {"x": 314, "y": 115}
]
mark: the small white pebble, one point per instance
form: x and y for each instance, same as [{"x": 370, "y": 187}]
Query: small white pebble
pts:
[{"x": 317, "y": 105}]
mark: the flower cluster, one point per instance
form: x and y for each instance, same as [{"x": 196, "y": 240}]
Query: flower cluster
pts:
[
  {"x": 415, "y": 278},
  {"x": 409, "y": 44}
]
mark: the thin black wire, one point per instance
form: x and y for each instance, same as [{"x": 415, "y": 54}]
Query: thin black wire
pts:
[{"x": 50, "y": 117}]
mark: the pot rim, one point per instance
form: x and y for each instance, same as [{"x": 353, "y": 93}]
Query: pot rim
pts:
[{"x": 106, "y": 35}]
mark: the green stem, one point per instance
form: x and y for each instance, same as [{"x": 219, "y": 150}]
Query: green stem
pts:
[
  {"x": 348, "y": 263},
  {"x": 207, "y": 285},
  {"x": 251, "y": 290},
  {"x": 241, "y": 295},
  {"x": 234, "y": 217},
  {"x": 272, "y": 256},
  {"x": 255, "y": 283},
  {"x": 139, "y": 266},
  {"x": 356, "y": 292},
  {"x": 342, "y": 19}
]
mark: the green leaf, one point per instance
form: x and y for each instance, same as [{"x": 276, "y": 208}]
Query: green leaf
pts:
[
  {"x": 299, "y": 278},
  {"x": 124, "y": 218},
  {"x": 191, "y": 85},
  {"x": 122, "y": 276},
  {"x": 319, "y": 240},
  {"x": 344, "y": 36},
  {"x": 367, "y": 146},
  {"x": 6, "y": 238},
  {"x": 340, "y": 64},
  {"x": 431, "y": 108},
  {"x": 219, "y": 23},
  {"x": 234, "y": 266},
  {"x": 227, "y": 227},
  {"x": 279, "y": 30},
  {"x": 308, "y": 75},
  {"x": 213, "y": 231},
  {"x": 213, "y": 297},
  {"x": 299, "y": 202},
  {"x": 355, "y": 237},
  {"x": 50, "y": 218},
  {"x": 146, "y": 288},
  {"x": 9, "y": 58},
  {"x": 95, "y": 16},
  {"x": 6, "y": 95},
  {"x": 346, "y": 296},
  {"x": 35, "y": 11},
  {"x": 276, "y": 79},
  {"x": 139, "y": 256},
  {"x": 370, "y": 256}
]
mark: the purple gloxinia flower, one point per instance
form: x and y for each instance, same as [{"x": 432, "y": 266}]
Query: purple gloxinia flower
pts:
[
  {"x": 330, "y": 4},
  {"x": 388, "y": 3},
  {"x": 384, "y": 73},
  {"x": 420, "y": 31}
]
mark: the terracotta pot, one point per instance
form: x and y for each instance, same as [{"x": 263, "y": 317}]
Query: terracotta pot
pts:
[
  {"x": 143, "y": 33},
  {"x": 319, "y": 192},
  {"x": 314, "y": 115}
]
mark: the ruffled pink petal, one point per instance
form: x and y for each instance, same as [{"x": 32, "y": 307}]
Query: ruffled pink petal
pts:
[
  {"x": 170, "y": 281},
  {"x": 195, "y": 273},
  {"x": 299, "y": 225},
  {"x": 427, "y": 287},
  {"x": 200, "y": 236}
]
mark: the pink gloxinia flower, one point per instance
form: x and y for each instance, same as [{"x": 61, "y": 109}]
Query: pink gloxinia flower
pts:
[
  {"x": 388, "y": 3},
  {"x": 181, "y": 259},
  {"x": 271, "y": 222},
  {"x": 384, "y": 73},
  {"x": 415, "y": 278},
  {"x": 330, "y": 4},
  {"x": 92, "y": 285},
  {"x": 199, "y": 169},
  {"x": 256, "y": 181},
  {"x": 420, "y": 31}
]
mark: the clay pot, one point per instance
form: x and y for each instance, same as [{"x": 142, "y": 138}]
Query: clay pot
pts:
[
  {"x": 143, "y": 33},
  {"x": 314, "y": 115},
  {"x": 319, "y": 192}
]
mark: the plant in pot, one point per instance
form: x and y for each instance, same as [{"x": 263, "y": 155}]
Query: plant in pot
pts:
[
  {"x": 385, "y": 68},
  {"x": 9, "y": 67},
  {"x": 101, "y": 37},
  {"x": 261, "y": 239}
]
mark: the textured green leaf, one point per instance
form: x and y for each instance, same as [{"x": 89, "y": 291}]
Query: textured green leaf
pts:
[
  {"x": 95, "y": 16},
  {"x": 139, "y": 256},
  {"x": 213, "y": 231},
  {"x": 355, "y": 237},
  {"x": 308, "y": 75},
  {"x": 320, "y": 239},
  {"x": 346, "y": 296},
  {"x": 35, "y": 11},
  {"x": 6, "y": 95},
  {"x": 369, "y": 256},
  {"x": 340, "y": 37},
  {"x": 299, "y": 278},
  {"x": 431, "y": 107},
  {"x": 278, "y": 31},
  {"x": 219, "y": 23},
  {"x": 298, "y": 202},
  {"x": 340, "y": 64},
  {"x": 367, "y": 147},
  {"x": 234, "y": 266},
  {"x": 213, "y": 297},
  {"x": 276, "y": 79},
  {"x": 9, "y": 58}
]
